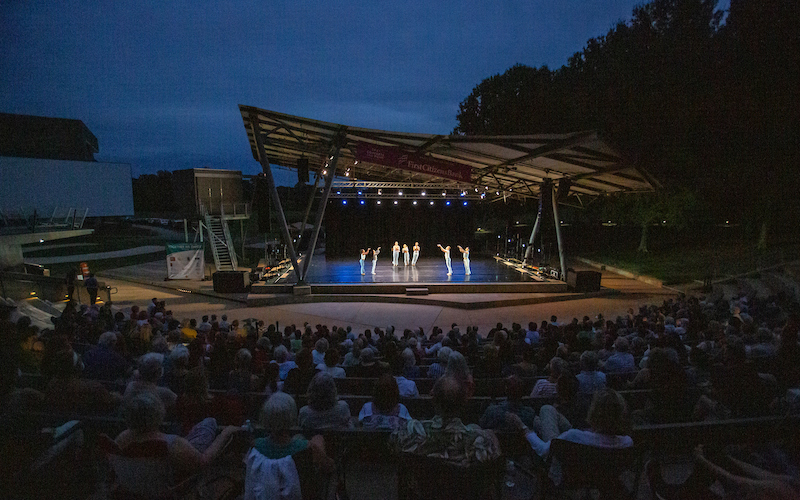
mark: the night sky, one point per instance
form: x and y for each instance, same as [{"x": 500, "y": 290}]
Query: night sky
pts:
[{"x": 158, "y": 83}]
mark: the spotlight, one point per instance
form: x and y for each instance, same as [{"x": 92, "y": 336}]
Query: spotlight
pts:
[
  {"x": 363, "y": 202},
  {"x": 465, "y": 203},
  {"x": 324, "y": 172},
  {"x": 463, "y": 193},
  {"x": 347, "y": 174},
  {"x": 431, "y": 203},
  {"x": 423, "y": 193},
  {"x": 379, "y": 202},
  {"x": 497, "y": 193},
  {"x": 359, "y": 193},
  {"x": 400, "y": 193},
  {"x": 444, "y": 193},
  {"x": 355, "y": 162},
  {"x": 447, "y": 203},
  {"x": 414, "y": 202},
  {"x": 338, "y": 192},
  {"x": 380, "y": 191},
  {"x": 395, "y": 202},
  {"x": 344, "y": 202}
]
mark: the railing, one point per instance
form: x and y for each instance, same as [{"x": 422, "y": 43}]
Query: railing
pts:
[{"x": 227, "y": 210}]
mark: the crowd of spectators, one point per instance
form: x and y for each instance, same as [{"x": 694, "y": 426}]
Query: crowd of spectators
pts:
[{"x": 700, "y": 358}]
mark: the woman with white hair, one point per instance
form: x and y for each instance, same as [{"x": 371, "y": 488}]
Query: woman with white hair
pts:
[
  {"x": 285, "y": 364},
  {"x": 324, "y": 409},
  {"x": 150, "y": 369},
  {"x": 458, "y": 369}
]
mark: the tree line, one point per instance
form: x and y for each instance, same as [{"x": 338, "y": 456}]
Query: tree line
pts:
[{"x": 706, "y": 100}]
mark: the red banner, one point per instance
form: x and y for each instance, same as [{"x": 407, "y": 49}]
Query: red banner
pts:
[{"x": 395, "y": 157}]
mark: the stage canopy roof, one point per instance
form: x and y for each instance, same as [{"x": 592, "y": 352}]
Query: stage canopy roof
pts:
[{"x": 497, "y": 166}]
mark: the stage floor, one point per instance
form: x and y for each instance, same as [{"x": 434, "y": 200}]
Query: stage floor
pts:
[{"x": 428, "y": 270}]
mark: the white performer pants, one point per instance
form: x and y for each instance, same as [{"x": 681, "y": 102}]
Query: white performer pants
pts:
[
  {"x": 405, "y": 258},
  {"x": 374, "y": 263},
  {"x": 362, "y": 266},
  {"x": 466, "y": 266},
  {"x": 414, "y": 258},
  {"x": 447, "y": 261},
  {"x": 395, "y": 257}
]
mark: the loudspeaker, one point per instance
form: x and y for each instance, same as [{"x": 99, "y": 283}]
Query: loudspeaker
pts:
[
  {"x": 584, "y": 281},
  {"x": 231, "y": 281},
  {"x": 563, "y": 189},
  {"x": 302, "y": 170}
]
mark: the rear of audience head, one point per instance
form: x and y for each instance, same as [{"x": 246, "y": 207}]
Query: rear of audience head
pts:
[
  {"x": 281, "y": 354},
  {"x": 608, "y": 413},
  {"x": 515, "y": 389},
  {"x": 443, "y": 356},
  {"x": 332, "y": 357},
  {"x": 279, "y": 413},
  {"x": 151, "y": 367},
  {"x": 589, "y": 361},
  {"x": 558, "y": 367},
  {"x": 621, "y": 344},
  {"x": 449, "y": 397},
  {"x": 243, "y": 359},
  {"x": 387, "y": 394},
  {"x": 321, "y": 346},
  {"x": 322, "y": 393},
  {"x": 108, "y": 339},
  {"x": 457, "y": 365},
  {"x": 408, "y": 357},
  {"x": 143, "y": 412}
]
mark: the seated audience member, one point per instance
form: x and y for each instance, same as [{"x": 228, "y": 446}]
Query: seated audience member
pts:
[
  {"x": 278, "y": 416},
  {"x": 410, "y": 368},
  {"x": 458, "y": 369},
  {"x": 324, "y": 409},
  {"x": 67, "y": 392},
  {"x": 367, "y": 366},
  {"x": 281, "y": 357},
  {"x": 150, "y": 368},
  {"x": 609, "y": 428},
  {"x": 241, "y": 380},
  {"x": 525, "y": 368},
  {"x": 495, "y": 415},
  {"x": 330, "y": 365},
  {"x": 408, "y": 388},
  {"x": 590, "y": 378},
  {"x": 548, "y": 388},
  {"x": 621, "y": 361},
  {"x": 320, "y": 348},
  {"x": 178, "y": 367},
  {"x": 385, "y": 411},
  {"x": 298, "y": 378},
  {"x": 436, "y": 370},
  {"x": 102, "y": 362},
  {"x": 352, "y": 357},
  {"x": 445, "y": 435},
  {"x": 195, "y": 403},
  {"x": 261, "y": 355},
  {"x": 144, "y": 414},
  {"x": 671, "y": 398}
]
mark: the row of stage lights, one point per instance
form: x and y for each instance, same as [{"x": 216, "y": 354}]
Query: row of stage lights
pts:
[
  {"x": 339, "y": 193},
  {"x": 447, "y": 203}
]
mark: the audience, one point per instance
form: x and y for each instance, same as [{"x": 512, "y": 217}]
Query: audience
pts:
[
  {"x": 385, "y": 411},
  {"x": 324, "y": 409}
]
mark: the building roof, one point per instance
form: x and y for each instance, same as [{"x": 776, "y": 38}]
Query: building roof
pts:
[
  {"x": 514, "y": 166},
  {"x": 43, "y": 137}
]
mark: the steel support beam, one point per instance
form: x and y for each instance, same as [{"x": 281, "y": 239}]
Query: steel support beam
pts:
[
  {"x": 323, "y": 202},
  {"x": 276, "y": 201},
  {"x": 557, "y": 222},
  {"x": 534, "y": 232}
]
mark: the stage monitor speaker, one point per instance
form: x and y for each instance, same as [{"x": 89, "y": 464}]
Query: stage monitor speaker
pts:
[
  {"x": 231, "y": 281},
  {"x": 563, "y": 190},
  {"x": 584, "y": 281},
  {"x": 302, "y": 170}
]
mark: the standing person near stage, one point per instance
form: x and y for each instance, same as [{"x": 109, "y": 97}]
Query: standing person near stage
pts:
[
  {"x": 446, "y": 251},
  {"x": 396, "y": 254},
  {"x": 375, "y": 258},
  {"x": 69, "y": 280},
  {"x": 91, "y": 288},
  {"x": 416, "y": 254},
  {"x": 405, "y": 254},
  {"x": 364, "y": 258},
  {"x": 465, "y": 255}
]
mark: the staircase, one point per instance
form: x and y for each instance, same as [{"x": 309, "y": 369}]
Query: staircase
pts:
[{"x": 221, "y": 243}]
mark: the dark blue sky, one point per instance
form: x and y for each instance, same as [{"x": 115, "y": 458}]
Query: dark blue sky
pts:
[{"x": 159, "y": 82}]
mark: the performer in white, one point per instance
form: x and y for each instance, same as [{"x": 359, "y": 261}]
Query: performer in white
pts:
[
  {"x": 396, "y": 254},
  {"x": 416, "y": 254},
  {"x": 405, "y": 254},
  {"x": 446, "y": 251},
  {"x": 375, "y": 258},
  {"x": 364, "y": 258},
  {"x": 465, "y": 255}
]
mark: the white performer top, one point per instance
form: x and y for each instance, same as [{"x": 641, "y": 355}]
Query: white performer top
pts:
[
  {"x": 446, "y": 251},
  {"x": 405, "y": 248},
  {"x": 464, "y": 252},
  {"x": 375, "y": 253},
  {"x": 416, "y": 247}
]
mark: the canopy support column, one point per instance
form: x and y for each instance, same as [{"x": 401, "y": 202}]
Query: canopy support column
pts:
[
  {"x": 557, "y": 222},
  {"x": 323, "y": 202},
  {"x": 534, "y": 232},
  {"x": 276, "y": 201}
]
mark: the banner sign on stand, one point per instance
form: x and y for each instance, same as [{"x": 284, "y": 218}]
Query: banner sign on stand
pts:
[
  {"x": 186, "y": 261},
  {"x": 396, "y": 157}
]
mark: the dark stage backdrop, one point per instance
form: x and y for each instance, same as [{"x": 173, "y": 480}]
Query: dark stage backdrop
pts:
[{"x": 348, "y": 228}]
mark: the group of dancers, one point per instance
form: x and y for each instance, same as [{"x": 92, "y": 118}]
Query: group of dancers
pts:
[{"x": 412, "y": 259}]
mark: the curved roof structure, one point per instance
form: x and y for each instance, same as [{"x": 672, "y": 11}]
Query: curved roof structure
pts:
[{"x": 497, "y": 166}]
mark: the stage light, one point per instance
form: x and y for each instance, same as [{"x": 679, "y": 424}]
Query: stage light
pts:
[
  {"x": 423, "y": 193},
  {"x": 379, "y": 202},
  {"x": 400, "y": 193},
  {"x": 726, "y": 222},
  {"x": 338, "y": 192},
  {"x": 476, "y": 190},
  {"x": 330, "y": 158},
  {"x": 497, "y": 193},
  {"x": 344, "y": 202},
  {"x": 42, "y": 241},
  {"x": 431, "y": 203},
  {"x": 363, "y": 202},
  {"x": 324, "y": 172},
  {"x": 355, "y": 162},
  {"x": 380, "y": 191},
  {"x": 465, "y": 203},
  {"x": 414, "y": 202},
  {"x": 444, "y": 193},
  {"x": 359, "y": 193},
  {"x": 447, "y": 203},
  {"x": 347, "y": 174},
  {"x": 395, "y": 202},
  {"x": 463, "y": 193}
]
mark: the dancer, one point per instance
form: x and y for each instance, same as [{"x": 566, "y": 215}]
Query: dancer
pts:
[
  {"x": 465, "y": 255},
  {"x": 364, "y": 258},
  {"x": 405, "y": 254},
  {"x": 446, "y": 251},
  {"x": 416, "y": 254},
  {"x": 375, "y": 258},
  {"x": 396, "y": 254}
]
